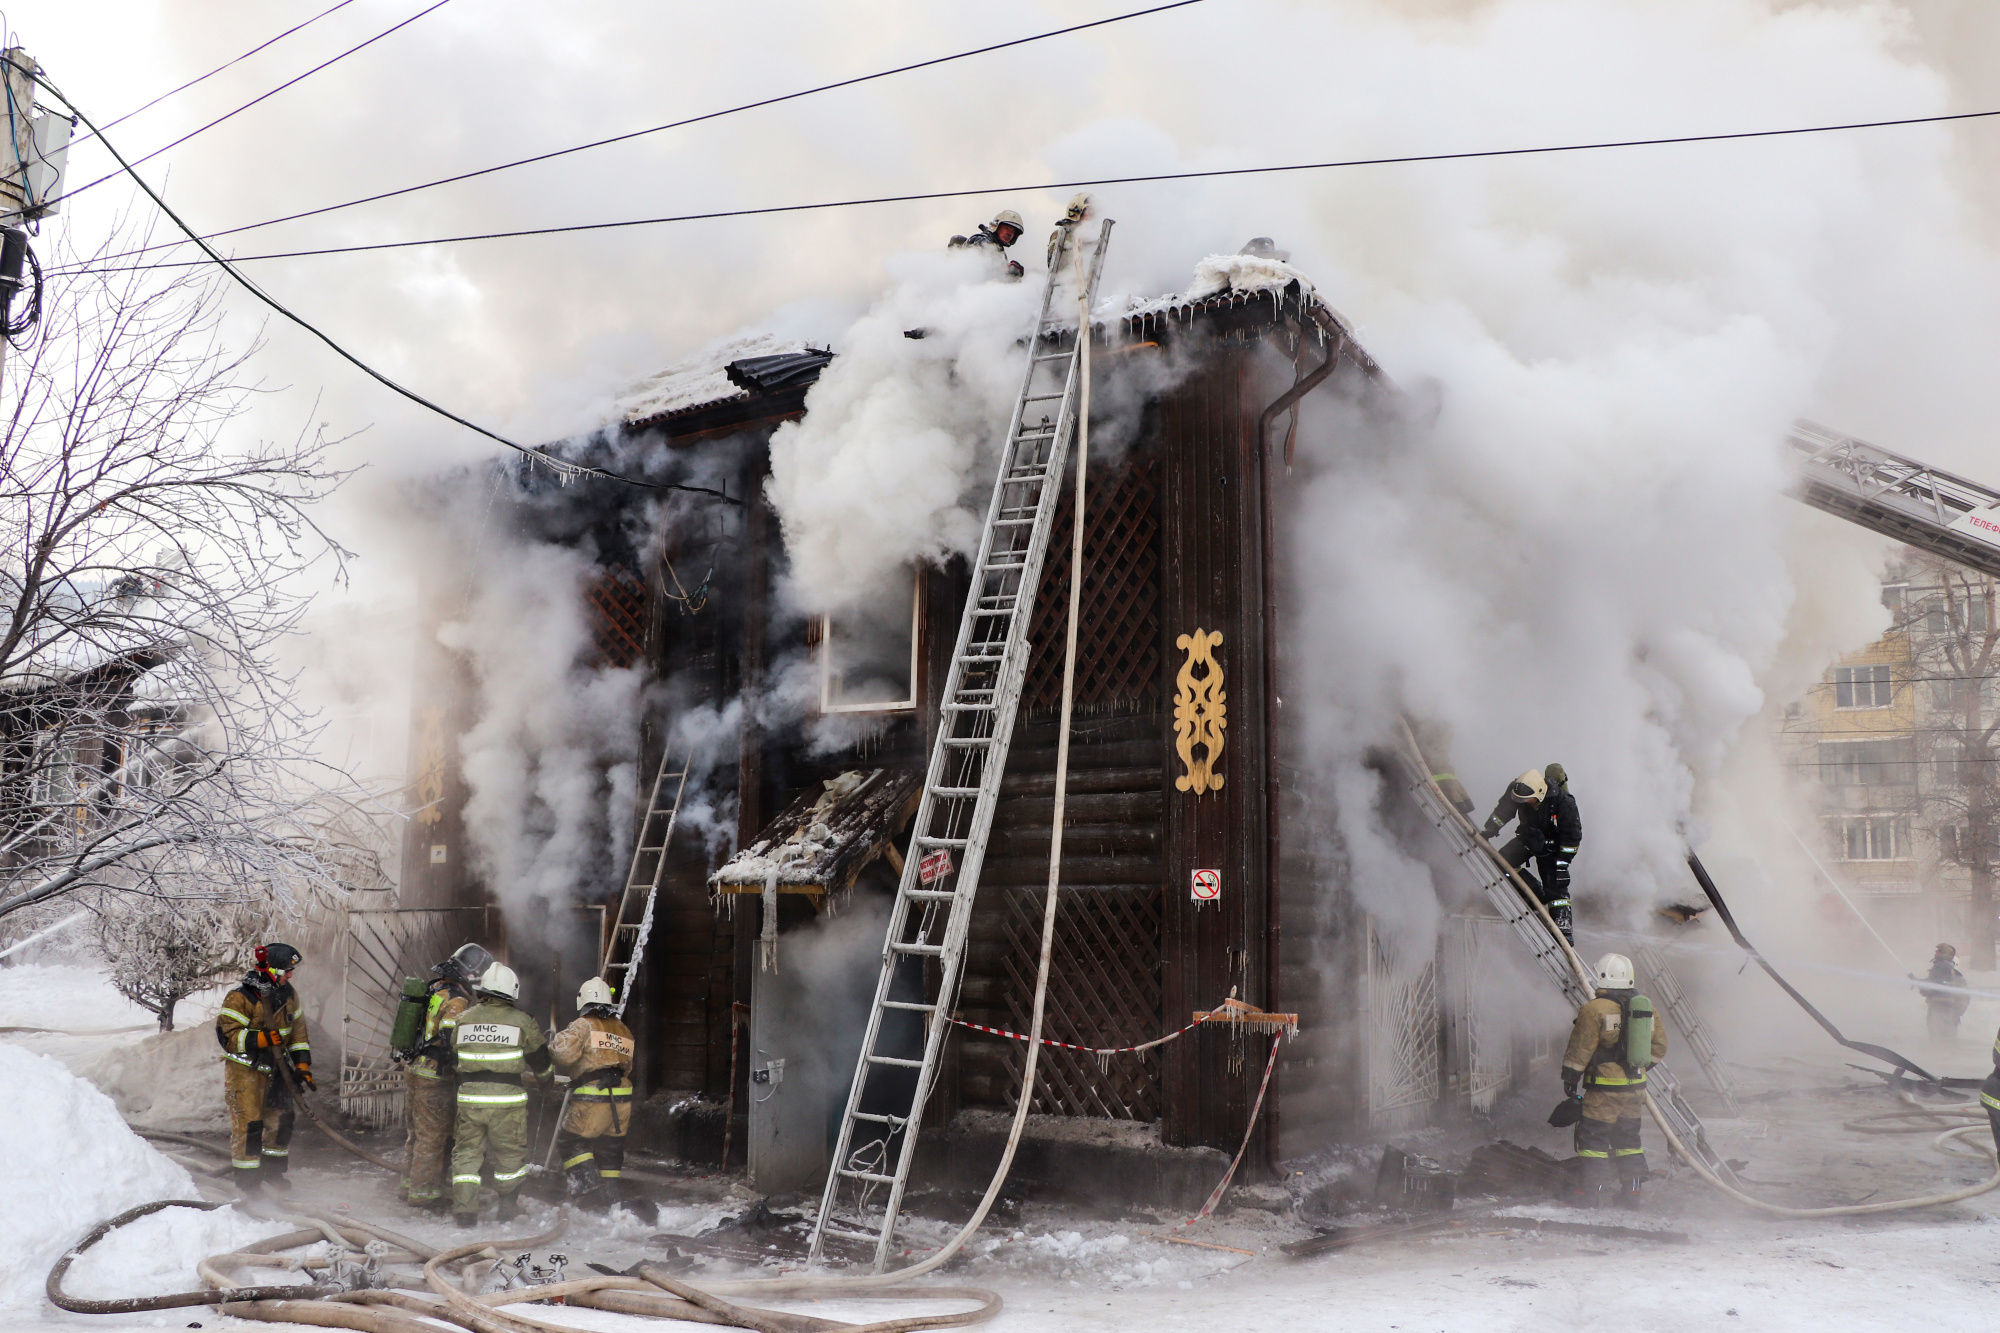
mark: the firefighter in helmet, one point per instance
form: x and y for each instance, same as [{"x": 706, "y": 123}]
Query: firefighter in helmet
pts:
[
  {"x": 595, "y": 1053},
  {"x": 500, "y": 1051},
  {"x": 997, "y": 235},
  {"x": 262, "y": 1026},
  {"x": 1549, "y": 832},
  {"x": 430, "y": 1079},
  {"x": 1599, "y": 1067}
]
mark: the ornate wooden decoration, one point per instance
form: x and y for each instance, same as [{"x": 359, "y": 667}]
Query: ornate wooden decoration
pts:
[{"x": 1201, "y": 712}]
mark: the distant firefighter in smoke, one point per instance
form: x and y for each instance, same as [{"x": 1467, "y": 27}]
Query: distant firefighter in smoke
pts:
[
  {"x": 1549, "y": 832},
  {"x": 1945, "y": 996}
]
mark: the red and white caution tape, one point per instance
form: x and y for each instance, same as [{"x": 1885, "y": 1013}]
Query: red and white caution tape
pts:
[
  {"x": 1230, "y": 1174},
  {"x": 1093, "y": 1050}
]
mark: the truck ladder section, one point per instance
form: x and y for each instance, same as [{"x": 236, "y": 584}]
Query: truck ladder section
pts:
[
  {"x": 625, "y": 945},
  {"x": 1897, "y": 496},
  {"x": 1665, "y": 987},
  {"x": 1510, "y": 897},
  {"x": 933, "y": 908}
]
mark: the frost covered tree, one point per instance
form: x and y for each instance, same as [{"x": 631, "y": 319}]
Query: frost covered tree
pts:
[
  {"x": 151, "y": 562},
  {"x": 162, "y": 951}
]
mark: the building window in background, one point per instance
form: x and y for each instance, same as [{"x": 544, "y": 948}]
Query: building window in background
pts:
[
  {"x": 1863, "y": 687},
  {"x": 1877, "y": 763},
  {"x": 1872, "y": 838}
]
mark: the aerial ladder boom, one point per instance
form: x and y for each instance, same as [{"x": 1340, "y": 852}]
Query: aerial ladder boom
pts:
[{"x": 1930, "y": 509}]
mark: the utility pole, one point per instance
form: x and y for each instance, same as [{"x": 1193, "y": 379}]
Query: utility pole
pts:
[{"x": 34, "y": 148}]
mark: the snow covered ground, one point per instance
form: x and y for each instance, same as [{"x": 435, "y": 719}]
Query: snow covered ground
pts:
[{"x": 71, "y": 1162}]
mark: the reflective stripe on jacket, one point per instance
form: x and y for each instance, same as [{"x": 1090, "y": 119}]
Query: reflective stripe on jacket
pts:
[
  {"x": 495, "y": 1044},
  {"x": 248, "y": 1010},
  {"x": 440, "y": 1026}
]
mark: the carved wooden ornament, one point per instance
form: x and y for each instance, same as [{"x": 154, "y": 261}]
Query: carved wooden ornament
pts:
[{"x": 1200, "y": 713}]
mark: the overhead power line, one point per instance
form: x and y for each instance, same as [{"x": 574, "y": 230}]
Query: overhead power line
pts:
[
  {"x": 1214, "y": 174},
  {"x": 671, "y": 125},
  {"x": 172, "y": 92},
  {"x": 440, "y": 4},
  {"x": 560, "y": 466}
]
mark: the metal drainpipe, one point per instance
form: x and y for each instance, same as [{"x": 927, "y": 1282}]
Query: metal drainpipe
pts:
[{"x": 1303, "y": 385}]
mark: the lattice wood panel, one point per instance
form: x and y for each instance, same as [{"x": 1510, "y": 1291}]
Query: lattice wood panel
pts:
[
  {"x": 1403, "y": 1057},
  {"x": 1118, "y": 623},
  {"x": 616, "y": 601},
  {"x": 1104, "y": 990}
]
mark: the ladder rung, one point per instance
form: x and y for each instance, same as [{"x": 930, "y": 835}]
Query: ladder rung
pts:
[
  {"x": 923, "y": 950},
  {"x": 893, "y": 1121},
  {"x": 966, "y": 742},
  {"x": 967, "y": 708},
  {"x": 955, "y": 793},
  {"x": 896, "y": 1060},
  {"x": 930, "y": 896},
  {"x": 925, "y": 840},
  {"x": 910, "y": 1005},
  {"x": 1044, "y": 397},
  {"x": 870, "y": 1175}
]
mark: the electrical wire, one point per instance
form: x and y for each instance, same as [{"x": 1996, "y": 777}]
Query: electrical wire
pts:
[
  {"x": 561, "y": 467},
  {"x": 1057, "y": 186},
  {"x": 690, "y": 120},
  {"x": 171, "y": 92},
  {"x": 99, "y": 134}
]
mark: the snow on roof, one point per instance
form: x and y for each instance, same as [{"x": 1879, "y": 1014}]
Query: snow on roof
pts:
[
  {"x": 700, "y": 380},
  {"x": 1223, "y": 273}
]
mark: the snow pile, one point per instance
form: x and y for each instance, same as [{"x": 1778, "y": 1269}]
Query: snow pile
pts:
[
  {"x": 170, "y": 1080},
  {"x": 1242, "y": 273},
  {"x": 700, "y": 379},
  {"x": 71, "y": 1162},
  {"x": 65, "y": 997}
]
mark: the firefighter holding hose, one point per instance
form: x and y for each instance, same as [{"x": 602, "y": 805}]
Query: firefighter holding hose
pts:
[
  {"x": 430, "y": 1074},
  {"x": 595, "y": 1053},
  {"x": 500, "y": 1051},
  {"x": 260, "y": 1024},
  {"x": 1611, "y": 1045}
]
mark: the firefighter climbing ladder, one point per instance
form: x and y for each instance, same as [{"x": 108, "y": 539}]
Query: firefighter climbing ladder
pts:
[
  {"x": 625, "y": 944},
  {"x": 933, "y": 908},
  {"x": 1513, "y": 901}
]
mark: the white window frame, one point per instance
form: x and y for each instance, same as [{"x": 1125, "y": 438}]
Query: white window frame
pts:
[
  {"x": 1870, "y": 827},
  {"x": 1880, "y": 679},
  {"x": 909, "y": 705}
]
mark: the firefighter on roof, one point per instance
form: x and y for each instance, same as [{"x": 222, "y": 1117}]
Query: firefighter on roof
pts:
[
  {"x": 1601, "y": 1066},
  {"x": 997, "y": 235},
  {"x": 499, "y": 1050},
  {"x": 430, "y": 1078},
  {"x": 595, "y": 1052},
  {"x": 1550, "y": 832},
  {"x": 261, "y": 1024}
]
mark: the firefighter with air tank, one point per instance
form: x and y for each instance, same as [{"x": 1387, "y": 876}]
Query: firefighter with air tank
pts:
[
  {"x": 261, "y": 1026},
  {"x": 426, "y": 1024},
  {"x": 1612, "y": 1043},
  {"x": 595, "y": 1054},
  {"x": 500, "y": 1051}
]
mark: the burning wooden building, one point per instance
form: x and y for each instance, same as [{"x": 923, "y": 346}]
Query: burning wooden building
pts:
[{"x": 1191, "y": 870}]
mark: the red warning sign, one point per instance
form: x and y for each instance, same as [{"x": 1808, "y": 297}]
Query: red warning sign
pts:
[
  {"x": 1206, "y": 886},
  {"x": 934, "y": 866}
]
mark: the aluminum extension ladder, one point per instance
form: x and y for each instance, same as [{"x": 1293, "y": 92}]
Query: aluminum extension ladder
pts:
[
  {"x": 933, "y": 908},
  {"x": 1511, "y": 898},
  {"x": 625, "y": 945},
  {"x": 1666, "y": 988}
]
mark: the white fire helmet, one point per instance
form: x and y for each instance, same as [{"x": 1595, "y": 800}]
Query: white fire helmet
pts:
[
  {"x": 1530, "y": 786},
  {"x": 594, "y": 991},
  {"x": 499, "y": 979},
  {"x": 1614, "y": 972}
]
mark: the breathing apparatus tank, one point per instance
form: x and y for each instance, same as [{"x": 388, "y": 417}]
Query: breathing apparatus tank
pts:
[
  {"x": 1638, "y": 1035},
  {"x": 408, "y": 1028}
]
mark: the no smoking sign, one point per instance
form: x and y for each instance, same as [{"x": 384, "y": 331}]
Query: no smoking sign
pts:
[{"x": 1205, "y": 886}]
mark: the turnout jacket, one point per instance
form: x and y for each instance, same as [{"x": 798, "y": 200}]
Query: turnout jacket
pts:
[
  {"x": 1549, "y": 823},
  {"x": 435, "y": 1056},
  {"x": 1597, "y": 1050},
  {"x": 259, "y": 1018},
  {"x": 495, "y": 1044},
  {"x": 596, "y": 1054}
]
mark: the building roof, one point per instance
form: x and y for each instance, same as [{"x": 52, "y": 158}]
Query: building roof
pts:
[
  {"x": 824, "y": 838},
  {"x": 721, "y": 379}
]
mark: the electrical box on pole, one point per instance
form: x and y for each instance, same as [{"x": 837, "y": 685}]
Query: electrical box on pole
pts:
[{"x": 36, "y": 147}]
